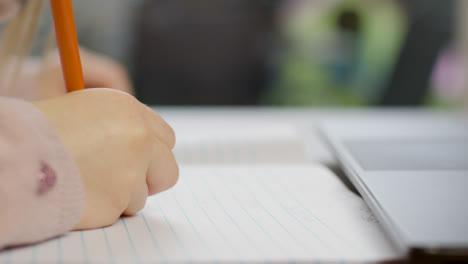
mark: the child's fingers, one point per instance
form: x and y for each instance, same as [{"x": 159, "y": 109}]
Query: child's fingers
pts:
[
  {"x": 160, "y": 128},
  {"x": 138, "y": 200},
  {"x": 163, "y": 171}
]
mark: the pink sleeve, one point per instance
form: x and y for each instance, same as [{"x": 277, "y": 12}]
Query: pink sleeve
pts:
[{"x": 41, "y": 193}]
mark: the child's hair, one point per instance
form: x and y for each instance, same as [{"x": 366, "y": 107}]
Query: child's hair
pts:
[{"x": 17, "y": 41}]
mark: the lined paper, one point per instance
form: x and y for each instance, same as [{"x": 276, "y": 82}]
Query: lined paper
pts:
[{"x": 232, "y": 213}]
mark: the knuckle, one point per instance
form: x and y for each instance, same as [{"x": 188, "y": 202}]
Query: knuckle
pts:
[
  {"x": 175, "y": 173},
  {"x": 168, "y": 179},
  {"x": 144, "y": 134},
  {"x": 172, "y": 137},
  {"x": 135, "y": 208},
  {"x": 141, "y": 205},
  {"x": 118, "y": 205},
  {"x": 167, "y": 132}
]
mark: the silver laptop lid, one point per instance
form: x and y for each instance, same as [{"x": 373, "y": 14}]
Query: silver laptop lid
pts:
[{"x": 413, "y": 174}]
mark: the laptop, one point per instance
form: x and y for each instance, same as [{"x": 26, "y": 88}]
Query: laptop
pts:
[{"x": 413, "y": 174}]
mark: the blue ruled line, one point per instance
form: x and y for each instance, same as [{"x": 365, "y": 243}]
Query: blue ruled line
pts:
[
  {"x": 135, "y": 253},
  {"x": 210, "y": 219},
  {"x": 179, "y": 242},
  {"x": 226, "y": 186},
  {"x": 85, "y": 249},
  {"x": 190, "y": 221},
  {"x": 59, "y": 250},
  {"x": 155, "y": 243},
  {"x": 313, "y": 215},
  {"x": 273, "y": 196},
  {"x": 239, "y": 179},
  {"x": 230, "y": 216},
  {"x": 108, "y": 247}
]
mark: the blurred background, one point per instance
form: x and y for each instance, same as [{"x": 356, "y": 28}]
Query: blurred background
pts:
[{"x": 284, "y": 52}]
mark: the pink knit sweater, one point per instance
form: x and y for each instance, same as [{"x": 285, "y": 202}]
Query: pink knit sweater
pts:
[{"x": 41, "y": 193}]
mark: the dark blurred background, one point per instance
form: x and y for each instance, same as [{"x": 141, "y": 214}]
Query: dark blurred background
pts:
[{"x": 282, "y": 52}]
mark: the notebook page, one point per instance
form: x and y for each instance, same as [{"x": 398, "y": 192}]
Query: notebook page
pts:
[{"x": 241, "y": 213}]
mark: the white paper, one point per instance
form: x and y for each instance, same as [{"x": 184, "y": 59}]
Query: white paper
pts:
[{"x": 232, "y": 214}]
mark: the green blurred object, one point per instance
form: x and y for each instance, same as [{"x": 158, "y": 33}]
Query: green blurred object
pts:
[{"x": 340, "y": 54}]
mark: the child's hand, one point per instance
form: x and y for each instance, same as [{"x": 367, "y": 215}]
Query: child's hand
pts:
[{"x": 122, "y": 147}]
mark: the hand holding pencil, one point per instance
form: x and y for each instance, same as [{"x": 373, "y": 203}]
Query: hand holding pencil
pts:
[
  {"x": 118, "y": 150},
  {"x": 138, "y": 153}
]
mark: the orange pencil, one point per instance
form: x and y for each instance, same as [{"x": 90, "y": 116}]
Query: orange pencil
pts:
[{"x": 67, "y": 41}]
